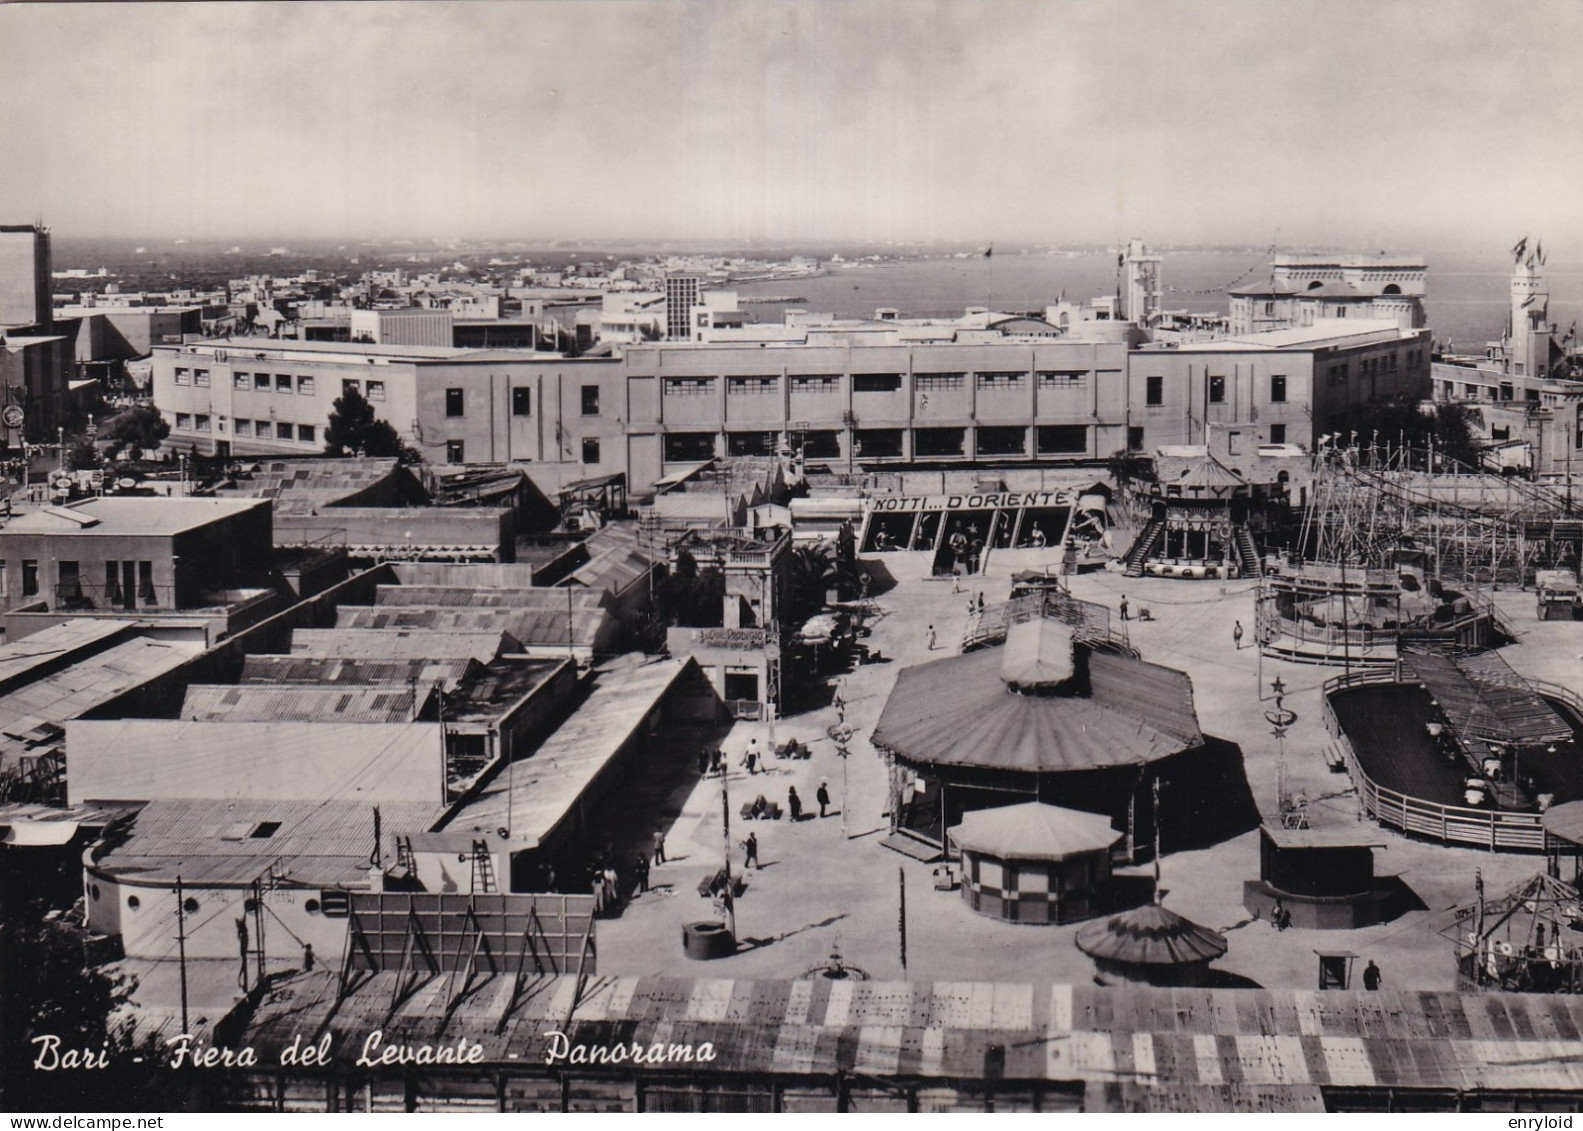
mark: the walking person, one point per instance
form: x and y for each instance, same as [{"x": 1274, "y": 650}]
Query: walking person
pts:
[
  {"x": 597, "y": 886},
  {"x": 751, "y": 758},
  {"x": 752, "y": 846},
  {"x": 1371, "y": 976},
  {"x": 1123, "y": 606},
  {"x": 980, "y": 600},
  {"x": 823, "y": 797},
  {"x": 1236, "y": 635},
  {"x": 612, "y": 886},
  {"x": 931, "y": 638},
  {"x": 703, "y": 760},
  {"x": 659, "y": 846},
  {"x": 793, "y": 804},
  {"x": 643, "y": 873}
]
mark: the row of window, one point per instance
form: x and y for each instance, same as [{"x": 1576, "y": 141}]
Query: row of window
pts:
[
  {"x": 1154, "y": 390},
  {"x": 303, "y": 385},
  {"x": 261, "y": 429},
  {"x": 124, "y": 582},
  {"x": 521, "y": 402},
  {"x": 870, "y": 382}
]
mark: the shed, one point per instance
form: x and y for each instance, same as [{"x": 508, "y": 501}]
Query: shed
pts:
[{"x": 1034, "y": 863}]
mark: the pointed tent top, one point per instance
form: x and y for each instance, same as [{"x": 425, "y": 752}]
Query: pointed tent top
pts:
[
  {"x": 1209, "y": 473},
  {"x": 1033, "y": 830},
  {"x": 1150, "y": 936}
]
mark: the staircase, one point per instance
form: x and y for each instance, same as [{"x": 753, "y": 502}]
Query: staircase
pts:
[
  {"x": 1248, "y": 553},
  {"x": 1143, "y": 547}
]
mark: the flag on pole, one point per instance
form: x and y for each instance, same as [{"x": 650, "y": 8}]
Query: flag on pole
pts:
[
  {"x": 1517, "y": 251},
  {"x": 989, "y": 251}
]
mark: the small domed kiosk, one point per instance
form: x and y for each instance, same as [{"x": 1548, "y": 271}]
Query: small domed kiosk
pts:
[
  {"x": 1151, "y": 945},
  {"x": 1034, "y": 863}
]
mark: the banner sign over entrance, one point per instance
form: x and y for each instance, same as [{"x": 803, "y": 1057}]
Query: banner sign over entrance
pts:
[{"x": 911, "y": 504}]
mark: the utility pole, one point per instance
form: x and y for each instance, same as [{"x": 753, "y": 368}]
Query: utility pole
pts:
[
  {"x": 730, "y": 892},
  {"x": 901, "y": 915},
  {"x": 181, "y": 949}
]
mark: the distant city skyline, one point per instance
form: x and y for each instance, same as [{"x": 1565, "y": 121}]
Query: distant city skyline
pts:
[{"x": 1203, "y": 122}]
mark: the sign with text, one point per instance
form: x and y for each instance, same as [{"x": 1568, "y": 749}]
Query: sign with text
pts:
[{"x": 977, "y": 500}]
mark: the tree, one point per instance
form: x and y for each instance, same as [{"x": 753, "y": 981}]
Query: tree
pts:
[
  {"x": 1399, "y": 422},
  {"x": 84, "y": 456},
  {"x": 138, "y": 429},
  {"x": 354, "y": 429}
]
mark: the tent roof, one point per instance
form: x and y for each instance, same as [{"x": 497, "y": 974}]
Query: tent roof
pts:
[
  {"x": 1207, "y": 473},
  {"x": 956, "y": 711},
  {"x": 1150, "y": 936},
  {"x": 1038, "y": 653},
  {"x": 1034, "y": 831}
]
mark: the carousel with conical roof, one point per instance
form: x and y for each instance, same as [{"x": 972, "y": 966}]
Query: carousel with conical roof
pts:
[
  {"x": 1198, "y": 525},
  {"x": 1052, "y": 715}
]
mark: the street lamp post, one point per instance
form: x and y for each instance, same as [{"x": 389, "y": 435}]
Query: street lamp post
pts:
[{"x": 843, "y": 735}]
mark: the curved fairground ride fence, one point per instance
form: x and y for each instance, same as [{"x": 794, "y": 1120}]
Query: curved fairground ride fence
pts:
[{"x": 1495, "y": 829}]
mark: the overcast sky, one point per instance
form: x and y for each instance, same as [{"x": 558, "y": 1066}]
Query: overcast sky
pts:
[{"x": 1359, "y": 122}]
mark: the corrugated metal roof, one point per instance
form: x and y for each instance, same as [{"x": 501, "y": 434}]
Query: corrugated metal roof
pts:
[
  {"x": 266, "y": 703},
  {"x": 1250, "y": 1040},
  {"x": 541, "y": 625},
  {"x": 51, "y": 644},
  {"x": 356, "y": 670},
  {"x": 402, "y": 642},
  {"x": 478, "y": 597},
  {"x": 231, "y": 840},
  {"x": 542, "y": 789},
  {"x": 64, "y": 695},
  {"x": 148, "y": 759},
  {"x": 129, "y": 515}
]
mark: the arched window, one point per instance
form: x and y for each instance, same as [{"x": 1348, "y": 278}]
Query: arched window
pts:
[{"x": 1391, "y": 289}]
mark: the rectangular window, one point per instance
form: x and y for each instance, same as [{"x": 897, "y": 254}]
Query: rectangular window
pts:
[
  {"x": 1135, "y": 438},
  {"x": 183, "y": 376},
  {"x": 183, "y": 421},
  {"x": 305, "y": 433},
  {"x": 1277, "y": 433},
  {"x": 376, "y": 391},
  {"x": 350, "y": 385},
  {"x": 590, "y": 400},
  {"x": 876, "y": 382},
  {"x": 689, "y": 447},
  {"x": 261, "y": 382},
  {"x": 1008, "y": 441},
  {"x": 305, "y": 386},
  {"x": 590, "y": 449},
  {"x": 68, "y": 581},
  {"x": 1277, "y": 389},
  {"x": 455, "y": 451},
  {"x": 937, "y": 382},
  {"x": 200, "y": 378},
  {"x": 453, "y": 402},
  {"x": 283, "y": 431},
  {"x": 1506, "y": 390},
  {"x": 820, "y": 383},
  {"x": 1470, "y": 390},
  {"x": 112, "y": 583},
  {"x": 244, "y": 427},
  {"x": 751, "y": 386},
  {"x": 1063, "y": 439},
  {"x": 283, "y": 382},
  {"x": 1060, "y": 379},
  {"x": 938, "y": 441},
  {"x": 689, "y": 386},
  {"x": 29, "y": 578},
  {"x": 750, "y": 443},
  {"x": 201, "y": 422},
  {"x": 1154, "y": 390},
  {"x": 1012, "y": 380},
  {"x": 521, "y": 402},
  {"x": 1217, "y": 390},
  {"x": 242, "y": 381},
  {"x": 145, "y": 582}
]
